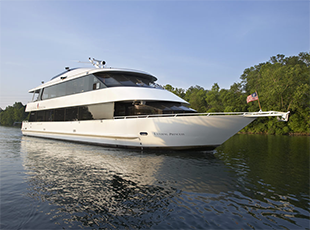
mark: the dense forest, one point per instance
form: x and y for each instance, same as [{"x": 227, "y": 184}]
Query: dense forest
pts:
[
  {"x": 282, "y": 84},
  {"x": 13, "y": 114}
]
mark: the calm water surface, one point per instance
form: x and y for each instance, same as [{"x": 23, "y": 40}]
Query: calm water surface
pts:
[{"x": 250, "y": 182}]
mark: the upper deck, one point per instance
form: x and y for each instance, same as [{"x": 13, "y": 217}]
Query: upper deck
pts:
[
  {"x": 86, "y": 86},
  {"x": 71, "y": 74}
]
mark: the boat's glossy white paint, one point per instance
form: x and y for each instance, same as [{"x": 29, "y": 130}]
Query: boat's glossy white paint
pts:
[{"x": 182, "y": 132}]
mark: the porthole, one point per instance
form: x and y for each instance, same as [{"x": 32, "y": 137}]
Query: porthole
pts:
[{"x": 143, "y": 133}]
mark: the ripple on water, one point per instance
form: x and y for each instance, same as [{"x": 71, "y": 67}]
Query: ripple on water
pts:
[{"x": 52, "y": 184}]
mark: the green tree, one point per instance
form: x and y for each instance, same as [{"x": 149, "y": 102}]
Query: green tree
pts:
[
  {"x": 213, "y": 99},
  {"x": 177, "y": 91},
  {"x": 196, "y": 96},
  {"x": 282, "y": 84},
  {"x": 234, "y": 99},
  {"x": 278, "y": 84},
  {"x": 250, "y": 78},
  {"x": 11, "y": 114}
]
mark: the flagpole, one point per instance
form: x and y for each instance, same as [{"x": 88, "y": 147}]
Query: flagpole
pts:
[{"x": 258, "y": 101}]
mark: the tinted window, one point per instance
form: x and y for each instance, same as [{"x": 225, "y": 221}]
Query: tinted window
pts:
[
  {"x": 74, "y": 86},
  {"x": 32, "y": 116},
  {"x": 84, "y": 113},
  {"x": 128, "y": 109},
  {"x": 46, "y": 93},
  {"x": 60, "y": 89},
  {"x": 109, "y": 80},
  {"x": 125, "y": 79},
  {"x": 50, "y": 115},
  {"x": 71, "y": 114},
  {"x": 59, "y": 114},
  {"x": 40, "y": 116}
]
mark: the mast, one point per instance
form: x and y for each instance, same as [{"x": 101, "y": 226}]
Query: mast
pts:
[{"x": 97, "y": 63}]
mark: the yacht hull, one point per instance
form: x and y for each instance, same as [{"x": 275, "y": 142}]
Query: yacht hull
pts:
[{"x": 183, "y": 132}]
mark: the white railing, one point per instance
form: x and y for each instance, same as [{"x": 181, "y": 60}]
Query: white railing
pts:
[{"x": 283, "y": 116}]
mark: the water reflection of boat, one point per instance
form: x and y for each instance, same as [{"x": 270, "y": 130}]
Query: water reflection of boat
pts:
[
  {"x": 117, "y": 107},
  {"x": 93, "y": 187},
  {"x": 99, "y": 186}
]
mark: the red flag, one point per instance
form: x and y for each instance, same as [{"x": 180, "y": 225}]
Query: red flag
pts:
[{"x": 252, "y": 97}]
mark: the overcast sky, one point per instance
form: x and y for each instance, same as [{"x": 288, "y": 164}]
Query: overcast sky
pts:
[{"x": 182, "y": 43}]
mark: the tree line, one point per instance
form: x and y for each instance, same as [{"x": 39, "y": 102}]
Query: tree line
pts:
[
  {"x": 13, "y": 114},
  {"x": 282, "y": 84}
]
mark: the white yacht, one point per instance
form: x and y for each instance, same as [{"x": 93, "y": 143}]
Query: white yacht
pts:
[{"x": 125, "y": 108}]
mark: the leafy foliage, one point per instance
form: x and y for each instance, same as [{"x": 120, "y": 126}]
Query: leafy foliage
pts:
[
  {"x": 282, "y": 84},
  {"x": 196, "y": 96},
  {"x": 12, "y": 114}
]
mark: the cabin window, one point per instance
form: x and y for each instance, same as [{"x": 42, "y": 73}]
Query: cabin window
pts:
[
  {"x": 32, "y": 116},
  {"x": 125, "y": 79},
  {"x": 96, "y": 85},
  {"x": 71, "y": 87},
  {"x": 78, "y": 85},
  {"x": 48, "y": 92},
  {"x": 36, "y": 95},
  {"x": 109, "y": 81},
  {"x": 121, "y": 109},
  {"x": 84, "y": 113},
  {"x": 40, "y": 116},
  {"x": 147, "y": 108},
  {"x": 59, "y": 115},
  {"x": 49, "y": 115},
  {"x": 71, "y": 114},
  {"x": 94, "y": 82},
  {"x": 60, "y": 89},
  {"x": 90, "y": 112},
  {"x": 108, "y": 110}
]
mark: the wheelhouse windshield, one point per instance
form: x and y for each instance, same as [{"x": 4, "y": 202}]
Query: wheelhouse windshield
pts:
[{"x": 126, "y": 79}]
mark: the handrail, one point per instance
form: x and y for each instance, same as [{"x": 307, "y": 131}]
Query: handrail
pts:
[{"x": 283, "y": 115}]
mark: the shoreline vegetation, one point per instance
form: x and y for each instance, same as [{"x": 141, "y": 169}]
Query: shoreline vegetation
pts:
[
  {"x": 282, "y": 84},
  {"x": 261, "y": 133}
]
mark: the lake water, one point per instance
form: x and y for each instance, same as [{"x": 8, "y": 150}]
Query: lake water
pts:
[{"x": 250, "y": 182}]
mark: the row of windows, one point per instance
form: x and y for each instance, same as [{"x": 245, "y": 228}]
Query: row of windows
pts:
[
  {"x": 65, "y": 114},
  {"x": 92, "y": 82},
  {"x": 79, "y": 85},
  {"x": 104, "y": 111},
  {"x": 148, "y": 108},
  {"x": 124, "y": 79}
]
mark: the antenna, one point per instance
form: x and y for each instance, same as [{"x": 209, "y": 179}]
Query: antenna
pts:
[{"x": 97, "y": 63}]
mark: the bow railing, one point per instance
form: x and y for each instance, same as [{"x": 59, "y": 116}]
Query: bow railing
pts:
[{"x": 282, "y": 116}]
